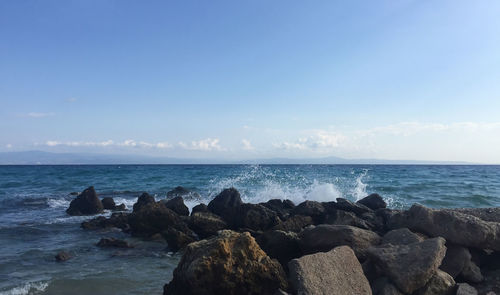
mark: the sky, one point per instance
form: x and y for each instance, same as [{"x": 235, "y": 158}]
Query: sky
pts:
[{"x": 400, "y": 80}]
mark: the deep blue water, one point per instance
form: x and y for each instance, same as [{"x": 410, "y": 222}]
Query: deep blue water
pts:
[{"x": 34, "y": 226}]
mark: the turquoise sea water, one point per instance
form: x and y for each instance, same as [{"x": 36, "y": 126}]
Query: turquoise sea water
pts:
[{"x": 34, "y": 226}]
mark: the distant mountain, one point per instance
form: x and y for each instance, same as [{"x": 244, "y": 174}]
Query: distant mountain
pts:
[{"x": 47, "y": 158}]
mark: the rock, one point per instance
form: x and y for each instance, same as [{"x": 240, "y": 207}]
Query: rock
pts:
[
  {"x": 310, "y": 208},
  {"x": 108, "y": 203},
  {"x": 142, "y": 201},
  {"x": 440, "y": 283},
  {"x": 455, "y": 227},
  {"x": 471, "y": 273},
  {"x": 206, "y": 224},
  {"x": 465, "y": 289},
  {"x": 86, "y": 203},
  {"x": 375, "y": 222},
  {"x": 62, "y": 256},
  {"x": 255, "y": 217},
  {"x": 282, "y": 207},
  {"x": 183, "y": 192},
  {"x": 283, "y": 246},
  {"x": 155, "y": 218},
  {"x": 455, "y": 259},
  {"x": 121, "y": 207},
  {"x": 118, "y": 220},
  {"x": 230, "y": 263},
  {"x": 486, "y": 214},
  {"x": 402, "y": 236},
  {"x": 199, "y": 208},
  {"x": 411, "y": 266},
  {"x": 373, "y": 201},
  {"x": 294, "y": 223},
  {"x": 177, "y": 205},
  {"x": 341, "y": 217},
  {"x": 177, "y": 239},
  {"x": 382, "y": 286},
  {"x": 356, "y": 208},
  {"x": 491, "y": 283},
  {"x": 112, "y": 242},
  {"x": 334, "y": 272},
  {"x": 226, "y": 204},
  {"x": 323, "y": 238}
]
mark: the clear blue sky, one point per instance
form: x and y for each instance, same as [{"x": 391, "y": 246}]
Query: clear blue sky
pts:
[{"x": 250, "y": 79}]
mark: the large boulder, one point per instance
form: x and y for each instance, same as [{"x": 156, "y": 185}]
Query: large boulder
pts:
[
  {"x": 199, "y": 208},
  {"x": 486, "y": 214},
  {"x": 334, "y": 272},
  {"x": 411, "y": 266},
  {"x": 86, "y": 203},
  {"x": 281, "y": 245},
  {"x": 155, "y": 218},
  {"x": 401, "y": 236},
  {"x": 226, "y": 205},
  {"x": 323, "y": 238},
  {"x": 178, "y": 239},
  {"x": 455, "y": 227},
  {"x": 455, "y": 259},
  {"x": 440, "y": 283},
  {"x": 341, "y": 217},
  {"x": 255, "y": 217},
  {"x": 230, "y": 263},
  {"x": 143, "y": 200},
  {"x": 373, "y": 201},
  {"x": 177, "y": 205},
  {"x": 282, "y": 207},
  {"x": 310, "y": 208},
  {"x": 357, "y": 208},
  {"x": 206, "y": 224},
  {"x": 108, "y": 203}
]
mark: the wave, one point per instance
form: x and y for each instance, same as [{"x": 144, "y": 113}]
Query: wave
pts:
[
  {"x": 30, "y": 288},
  {"x": 359, "y": 190}
]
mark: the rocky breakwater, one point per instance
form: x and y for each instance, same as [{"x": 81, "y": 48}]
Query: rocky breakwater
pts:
[{"x": 340, "y": 247}]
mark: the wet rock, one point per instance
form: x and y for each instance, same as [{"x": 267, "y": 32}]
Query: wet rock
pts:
[
  {"x": 226, "y": 205},
  {"x": 86, "y": 203},
  {"x": 282, "y": 207},
  {"x": 230, "y": 263},
  {"x": 113, "y": 243},
  {"x": 341, "y": 217},
  {"x": 411, "y": 266},
  {"x": 177, "y": 205},
  {"x": 108, "y": 203},
  {"x": 294, "y": 223},
  {"x": 177, "y": 239},
  {"x": 206, "y": 224},
  {"x": 323, "y": 238},
  {"x": 199, "y": 208},
  {"x": 255, "y": 217},
  {"x": 334, "y": 272},
  {"x": 310, "y": 208},
  {"x": 455, "y": 227},
  {"x": 283, "y": 246},
  {"x": 402, "y": 236},
  {"x": 62, "y": 256},
  {"x": 155, "y": 218},
  {"x": 118, "y": 220},
  {"x": 455, "y": 259},
  {"x": 184, "y": 193},
  {"x": 373, "y": 201},
  {"x": 142, "y": 201},
  {"x": 440, "y": 283},
  {"x": 356, "y": 208},
  {"x": 465, "y": 289}
]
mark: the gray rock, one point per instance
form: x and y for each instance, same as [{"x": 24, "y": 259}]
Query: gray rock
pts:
[
  {"x": 206, "y": 224},
  {"x": 382, "y": 286},
  {"x": 177, "y": 205},
  {"x": 440, "y": 283},
  {"x": 341, "y": 217},
  {"x": 324, "y": 237},
  {"x": 282, "y": 207},
  {"x": 465, "y": 289},
  {"x": 294, "y": 223},
  {"x": 199, "y": 208},
  {"x": 357, "y": 208},
  {"x": 402, "y": 236},
  {"x": 411, "y": 266},
  {"x": 455, "y": 227},
  {"x": 471, "y": 273},
  {"x": 108, "y": 203},
  {"x": 455, "y": 259},
  {"x": 86, "y": 203},
  {"x": 486, "y": 214},
  {"x": 283, "y": 246},
  {"x": 373, "y": 201},
  {"x": 310, "y": 208},
  {"x": 226, "y": 204},
  {"x": 143, "y": 200},
  {"x": 255, "y": 217},
  {"x": 334, "y": 272}
]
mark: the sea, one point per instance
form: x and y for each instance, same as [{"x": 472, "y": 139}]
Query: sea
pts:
[{"x": 34, "y": 226}]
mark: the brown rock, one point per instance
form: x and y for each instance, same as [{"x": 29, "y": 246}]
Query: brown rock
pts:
[
  {"x": 230, "y": 263},
  {"x": 411, "y": 266},
  {"x": 206, "y": 224},
  {"x": 334, "y": 272}
]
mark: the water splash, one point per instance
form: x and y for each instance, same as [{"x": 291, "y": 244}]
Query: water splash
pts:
[
  {"x": 359, "y": 190},
  {"x": 29, "y": 288}
]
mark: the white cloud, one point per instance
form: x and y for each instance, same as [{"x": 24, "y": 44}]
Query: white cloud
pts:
[
  {"x": 9, "y": 146},
  {"x": 209, "y": 144},
  {"x": 39, "y": 115},
  {"x": 247, "y": 145},
  {"x": 317, "y": 140},
  {"x": 126, "y": 143}
]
